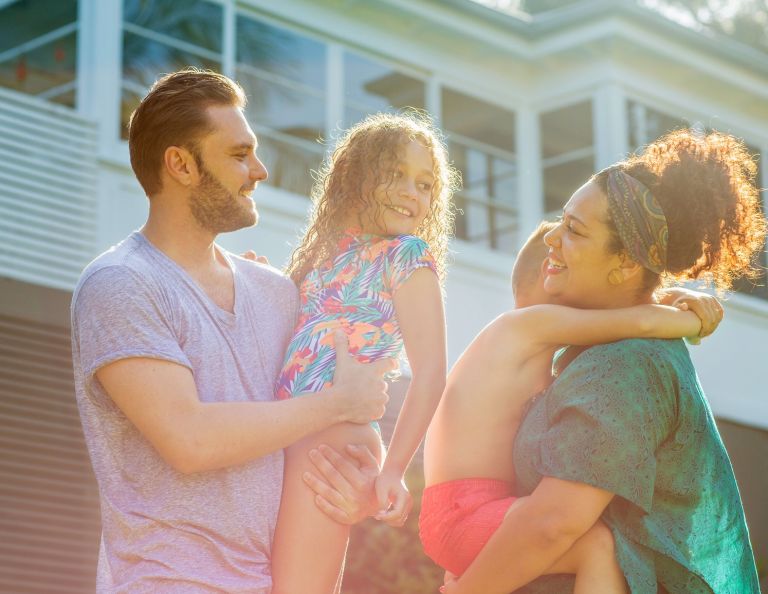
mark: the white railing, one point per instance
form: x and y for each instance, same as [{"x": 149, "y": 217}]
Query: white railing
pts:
[{"x": 48, "y": 182}]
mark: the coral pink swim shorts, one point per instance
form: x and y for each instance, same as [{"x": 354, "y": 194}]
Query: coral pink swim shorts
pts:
[{"x": 458, "y": 518}]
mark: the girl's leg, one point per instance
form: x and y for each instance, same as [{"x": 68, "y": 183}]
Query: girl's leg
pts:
[
  {"x": 309, "y": 548},
  {"x": 593, "y": 559}
]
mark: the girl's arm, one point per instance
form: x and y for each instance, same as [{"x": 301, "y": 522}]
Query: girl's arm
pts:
[
  {"x": 558, "y": 325},
  {"x": 419, "y": 309}
]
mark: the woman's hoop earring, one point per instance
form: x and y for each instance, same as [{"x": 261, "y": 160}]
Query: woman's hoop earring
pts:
[{"x": 615, "y": 277}]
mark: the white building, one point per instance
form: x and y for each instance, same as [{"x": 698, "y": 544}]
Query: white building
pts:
[{"x": 531, "y": 107}]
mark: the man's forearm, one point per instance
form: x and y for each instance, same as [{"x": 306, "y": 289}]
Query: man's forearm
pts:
[{"x": 222, "y": 434}]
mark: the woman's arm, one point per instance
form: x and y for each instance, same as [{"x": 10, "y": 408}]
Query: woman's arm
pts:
[
  {"x": 535, "y": 533},
  {"x": 558, "y": 325},
  {"x": 419, "y": 309}
]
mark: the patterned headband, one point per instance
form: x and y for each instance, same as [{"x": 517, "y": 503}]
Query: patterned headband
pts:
[{"x": 639, "y": 219}]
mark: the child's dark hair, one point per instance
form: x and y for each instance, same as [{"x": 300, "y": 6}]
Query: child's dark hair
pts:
[
  {"x": 705, "y": 184},
  {"x": 528, "y": 262},
  {"x": 364, "y": 158}
]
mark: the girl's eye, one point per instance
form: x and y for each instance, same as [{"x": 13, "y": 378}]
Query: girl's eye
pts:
[{"x": 425, "y": 187}]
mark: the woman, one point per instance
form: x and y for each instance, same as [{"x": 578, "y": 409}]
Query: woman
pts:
[{"x": 624, "y": 433}]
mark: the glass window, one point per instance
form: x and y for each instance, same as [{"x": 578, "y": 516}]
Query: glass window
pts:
[
  {"x": 159, "y": 37},
  {"x": 481, "y": 139},
  {"x": 646, "y": 124},
  {"x": 283, "y": 74},
  {"x": 567, "y": 151},
  {"x": 370, "y": 87},
  {"x": 38, "y": 48}
]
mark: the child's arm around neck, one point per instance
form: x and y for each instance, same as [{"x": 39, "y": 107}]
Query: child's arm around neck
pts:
[{"x": 552, "y": 325}]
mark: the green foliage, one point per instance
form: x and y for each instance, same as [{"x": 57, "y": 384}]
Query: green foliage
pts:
[{"x": 384, "y": 560}]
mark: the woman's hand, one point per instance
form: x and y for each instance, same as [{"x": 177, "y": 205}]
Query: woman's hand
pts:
[
  {"x": 345, "y": 492},
  {"x": 395, "y": 502},
  {"x": 705, "y": 306}
]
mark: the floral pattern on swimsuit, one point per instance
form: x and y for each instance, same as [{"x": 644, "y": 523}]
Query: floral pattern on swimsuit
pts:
[{"x": 352, "y": 293}]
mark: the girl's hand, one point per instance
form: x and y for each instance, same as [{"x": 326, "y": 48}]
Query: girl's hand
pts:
[
  {"x": 705, "y": 306},
  {"x": 395, "y": 502},
  {"x": 251, "y": 255}
]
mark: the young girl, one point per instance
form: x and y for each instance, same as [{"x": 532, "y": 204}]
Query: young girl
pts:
[
  {"x": 468, "y": 462},
  {"x": 371, "y": 263}
]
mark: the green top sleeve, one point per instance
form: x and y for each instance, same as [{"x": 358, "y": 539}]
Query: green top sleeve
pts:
[{"x": 606, "y": 415}]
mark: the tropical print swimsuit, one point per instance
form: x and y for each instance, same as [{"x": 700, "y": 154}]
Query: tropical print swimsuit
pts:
[{"x": 352, "y": 293}]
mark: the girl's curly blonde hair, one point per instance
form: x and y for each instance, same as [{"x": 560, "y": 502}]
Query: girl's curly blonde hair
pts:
[{"x": 365, "y": 158}]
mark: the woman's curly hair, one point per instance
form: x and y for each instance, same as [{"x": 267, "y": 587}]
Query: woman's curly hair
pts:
[
  {"x": 364, "y": 158},
  {"x": 705, "y": 184}
]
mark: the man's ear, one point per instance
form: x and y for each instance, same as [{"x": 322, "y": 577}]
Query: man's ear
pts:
[{"x": 180, "y": 165}]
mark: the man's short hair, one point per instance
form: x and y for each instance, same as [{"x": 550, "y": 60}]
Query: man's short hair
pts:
[
  {"x": 173, "y": 113},
  {"x": 528, "y": 263}
]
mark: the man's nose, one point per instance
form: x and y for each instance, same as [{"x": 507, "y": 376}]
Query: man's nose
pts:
[{"x": 258, "y": 170}]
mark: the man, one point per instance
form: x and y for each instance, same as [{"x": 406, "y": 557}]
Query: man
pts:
[{"x": 176, "y": 346}]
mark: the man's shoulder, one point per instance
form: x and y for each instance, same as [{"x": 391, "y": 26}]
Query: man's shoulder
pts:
[{"x": 120, "y": 266}]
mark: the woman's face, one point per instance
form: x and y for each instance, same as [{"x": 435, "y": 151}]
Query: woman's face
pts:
[{"x": 579, "y": 262}]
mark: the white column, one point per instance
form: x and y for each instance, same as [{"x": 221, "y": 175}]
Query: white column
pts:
[
  {"x": 610, "y": 125},
  {"x": 530, "y": 194},
  {"x": 334, "y": 91},
  {"x": 229, "y": 41},
  {"x": 433, "y": 101},
  {"x": 100, "y": 67}
]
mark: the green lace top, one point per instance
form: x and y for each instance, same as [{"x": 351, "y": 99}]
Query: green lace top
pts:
[{"x": 631, "y": 418}]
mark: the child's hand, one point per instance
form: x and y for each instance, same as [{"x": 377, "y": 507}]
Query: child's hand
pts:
[
  {"x": 450, "y": 585},
  {"x": 706, "y": 307},
  {"x": 253, "y": 256},
  {"x": 395, "y": 502}
]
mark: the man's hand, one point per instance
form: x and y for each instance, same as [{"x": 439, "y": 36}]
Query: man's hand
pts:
[
  {"x": 251, "y": 255},
  {"x": 705, "y": 306},
  {"x": 395, "y": 502},
  {"x": 360, "y": 387},
  {"x": 345, "y": 492}
]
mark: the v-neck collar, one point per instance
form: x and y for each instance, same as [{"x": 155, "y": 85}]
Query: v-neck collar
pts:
[{"x": 229, "y": 317}]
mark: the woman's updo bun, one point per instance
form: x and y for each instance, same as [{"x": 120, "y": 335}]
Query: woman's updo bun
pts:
[{"x": 705, "y": 184}]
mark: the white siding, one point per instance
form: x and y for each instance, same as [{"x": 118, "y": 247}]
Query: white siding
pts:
[{"x": 47, "y": 191}]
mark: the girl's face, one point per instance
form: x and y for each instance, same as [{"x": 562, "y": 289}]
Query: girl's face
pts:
[
  {"x": 402, "y": 203},
  {"x": 579, "y": 261}
]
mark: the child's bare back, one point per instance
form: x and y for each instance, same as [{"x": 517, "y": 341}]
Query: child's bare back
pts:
[{"x": 474, "y": 427}]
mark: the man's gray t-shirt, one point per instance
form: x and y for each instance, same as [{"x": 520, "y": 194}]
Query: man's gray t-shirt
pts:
[{"x": 163, "y": 531}]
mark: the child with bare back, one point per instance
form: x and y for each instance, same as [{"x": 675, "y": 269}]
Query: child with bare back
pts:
[{"x": 468, "y": 460}]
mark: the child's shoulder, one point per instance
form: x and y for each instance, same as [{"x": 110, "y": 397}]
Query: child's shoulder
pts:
[{"x": 406, "y": 244}]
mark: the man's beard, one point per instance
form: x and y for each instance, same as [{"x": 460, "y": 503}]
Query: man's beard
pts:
[{"x": 218, "y": 210}]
